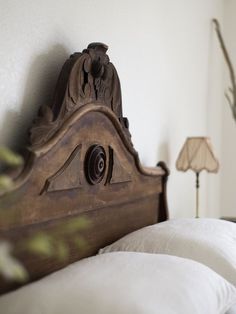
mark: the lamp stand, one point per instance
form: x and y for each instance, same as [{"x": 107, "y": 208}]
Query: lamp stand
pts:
[{"x": 197, "y": 194}]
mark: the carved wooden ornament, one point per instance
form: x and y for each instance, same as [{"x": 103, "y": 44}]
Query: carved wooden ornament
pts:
[
  {"x": 87, "y": 77},
  {"x": 68, "y": 176},
  {"x": 95, "y": 164}
]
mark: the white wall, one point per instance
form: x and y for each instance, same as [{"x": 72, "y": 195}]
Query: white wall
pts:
[
  {"x": 228, "y": 199},
  {"x": 166, "y": 57}
]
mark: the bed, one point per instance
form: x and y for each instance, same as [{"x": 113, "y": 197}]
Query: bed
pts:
[{"x": 80, "y": 162}]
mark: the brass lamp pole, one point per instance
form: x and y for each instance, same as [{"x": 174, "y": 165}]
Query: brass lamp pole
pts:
[{"x": 197, "y": 194}]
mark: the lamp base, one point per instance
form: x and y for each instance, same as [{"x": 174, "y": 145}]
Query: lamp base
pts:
[{"x": 197, "y": 194}]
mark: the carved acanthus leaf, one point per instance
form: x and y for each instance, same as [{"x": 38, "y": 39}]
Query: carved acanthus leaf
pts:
[{"x": 87, "y": 77}]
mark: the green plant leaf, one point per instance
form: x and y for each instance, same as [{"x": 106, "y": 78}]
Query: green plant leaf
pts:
[
  {"x": 10, "y": 267},
  {"x": 40, "y": 244},
  {"x": 19, "y": 273},
  {"x": 62, "y": 251},
  {"x": 76, "y": 224},
  {"x": 80, "y": 243},
  {"x": 5, "y": 182},
  {"x": 9, "y": 157}
]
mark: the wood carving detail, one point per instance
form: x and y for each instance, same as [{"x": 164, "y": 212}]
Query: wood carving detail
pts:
[
  {"x": 118, "y": 173},
  {"x": 68, "y": 176},
  {"x": 95, "y": 164},
  {"x": 87, "y": 77}
]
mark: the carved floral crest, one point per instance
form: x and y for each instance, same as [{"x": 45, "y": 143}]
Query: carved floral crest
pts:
[{"x": 87, "y": 77}]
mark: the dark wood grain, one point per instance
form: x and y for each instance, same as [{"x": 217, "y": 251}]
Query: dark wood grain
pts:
[{"x": 81, "y": 162}]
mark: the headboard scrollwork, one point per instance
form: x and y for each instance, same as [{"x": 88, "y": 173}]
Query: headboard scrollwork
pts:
[
  {"x": 87, "y": 77},
  {"x": 81, "y": 163}
]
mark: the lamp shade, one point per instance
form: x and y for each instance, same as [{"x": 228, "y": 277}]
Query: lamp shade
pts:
[{"x": 197, "y": 155}]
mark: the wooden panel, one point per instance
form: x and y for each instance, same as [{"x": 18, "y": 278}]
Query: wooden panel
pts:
[{"x": 106, "y": 228}]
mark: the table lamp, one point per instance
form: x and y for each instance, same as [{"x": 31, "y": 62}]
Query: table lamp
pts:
[{"x": 197, "y": 155}]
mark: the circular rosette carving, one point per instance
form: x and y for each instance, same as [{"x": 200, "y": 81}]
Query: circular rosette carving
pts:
[{"x": 95, "y": 164}]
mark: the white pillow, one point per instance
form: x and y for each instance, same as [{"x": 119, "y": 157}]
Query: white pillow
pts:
[
  {"x": 125, "y": 283},
  {"x": 209, "y": 241}
]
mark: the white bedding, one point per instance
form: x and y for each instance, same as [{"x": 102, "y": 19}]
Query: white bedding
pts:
[
  {"x": 125, "y": 283},
  {"x": 208, "y": 241}
]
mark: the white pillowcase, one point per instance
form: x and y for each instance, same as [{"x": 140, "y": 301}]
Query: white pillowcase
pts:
[
  {"x": 209, "y": 241},
  {"x": 125, "y": 283}
]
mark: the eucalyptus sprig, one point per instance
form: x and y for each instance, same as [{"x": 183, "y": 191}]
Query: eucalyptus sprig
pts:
[
  {"x": 9, "y": 158},
  {"x": 53, "y": 244}
]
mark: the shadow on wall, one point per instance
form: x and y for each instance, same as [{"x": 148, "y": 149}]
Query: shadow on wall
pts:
[
  {"x": 39, "y": 88},
  {"x": 163, "y": 153}
]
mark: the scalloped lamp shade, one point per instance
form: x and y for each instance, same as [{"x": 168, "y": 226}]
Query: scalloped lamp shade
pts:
[{"x": 197, "y": 155}]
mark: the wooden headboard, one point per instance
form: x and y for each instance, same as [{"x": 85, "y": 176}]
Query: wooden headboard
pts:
[{"x": 81, "y": 162}]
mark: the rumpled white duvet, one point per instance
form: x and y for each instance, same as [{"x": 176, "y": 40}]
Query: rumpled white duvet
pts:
[{"x": 125, "y": 283}]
